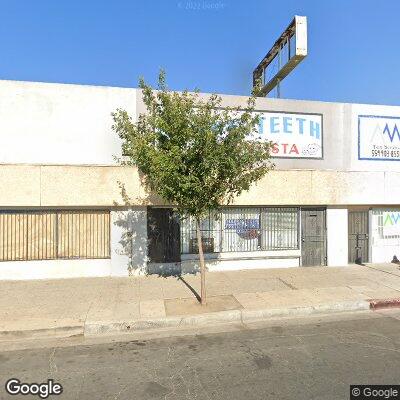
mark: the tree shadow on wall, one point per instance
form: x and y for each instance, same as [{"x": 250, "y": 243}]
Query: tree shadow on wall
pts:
[
  {"x": 133, "y": 240},
  {"x": 131, "y": 220},
  {"x": 132, "y": 244}
]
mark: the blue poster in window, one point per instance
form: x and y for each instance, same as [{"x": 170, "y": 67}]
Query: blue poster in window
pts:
[{"x": 246, "y": 228}]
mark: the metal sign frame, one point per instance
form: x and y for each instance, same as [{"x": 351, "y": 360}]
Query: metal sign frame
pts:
[{"x": 287, "y": 52}]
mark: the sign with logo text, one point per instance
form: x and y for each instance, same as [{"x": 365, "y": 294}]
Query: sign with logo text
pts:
[
  {"x": 294, "y": 135},
  {"x": 378, "y": 138},
  {"x": 246, "y": 228},
  {"x": 391, "y": 223}
]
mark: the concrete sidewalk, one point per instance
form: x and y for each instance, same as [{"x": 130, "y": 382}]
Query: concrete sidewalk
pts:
[{"x": 90, "y": 306}]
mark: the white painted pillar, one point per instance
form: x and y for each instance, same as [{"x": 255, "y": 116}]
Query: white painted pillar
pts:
[
  {"x": 337, "y": 236},
  {"x": 128, "y": 241}
]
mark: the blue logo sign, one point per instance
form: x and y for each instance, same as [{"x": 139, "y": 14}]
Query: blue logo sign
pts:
[
  {"x": 392, "y": 134},
  {"x": 378, "y": 138},
  {"x": 391, "y": 219}
]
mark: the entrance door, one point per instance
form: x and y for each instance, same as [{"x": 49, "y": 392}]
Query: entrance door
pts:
[
  {"x": 358, "y": 237},
  {"x": 163, "y": 235},
  {"x": 313, "y": 237}
]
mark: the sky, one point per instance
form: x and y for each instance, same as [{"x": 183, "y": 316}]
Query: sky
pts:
[{"x": 212, "y": 45}]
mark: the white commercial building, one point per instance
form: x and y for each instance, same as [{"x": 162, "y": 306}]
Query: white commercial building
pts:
[{"x": 67, "y": 209}]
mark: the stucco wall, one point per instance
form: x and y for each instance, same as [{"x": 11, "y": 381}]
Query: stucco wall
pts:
[
  {"x": 45, "y": 123},
  {"x": 90, "y": 186}
]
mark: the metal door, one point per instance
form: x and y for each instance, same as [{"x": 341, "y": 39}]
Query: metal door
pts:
[
  {"x": 163, "y": 234},
  {"x": 313, "y": 237},
  {"x": 358, "y": 236}
]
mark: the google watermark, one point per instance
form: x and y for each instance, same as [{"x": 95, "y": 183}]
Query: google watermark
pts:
[
  {"x": 43, "y": 390},
  {"x": 374, "y": 392},
  {"x": 201, "y": 5}
]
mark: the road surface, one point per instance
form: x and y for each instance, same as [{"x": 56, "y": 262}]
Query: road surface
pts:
[{"x": 303, "y": 358}]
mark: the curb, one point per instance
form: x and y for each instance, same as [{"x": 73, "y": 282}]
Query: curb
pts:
[
  {"x": 96, "y": 328},
  {"x": 377, "y": 304},
  {"x": 42, "y": 333},
  {"x": 110, "y": 327},
  {"x": 93, "y": 328}
]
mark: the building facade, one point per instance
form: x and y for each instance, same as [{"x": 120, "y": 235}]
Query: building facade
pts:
[{"x": 67, "y": 209}]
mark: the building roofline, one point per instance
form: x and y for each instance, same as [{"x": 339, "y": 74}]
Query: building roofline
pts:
[{"x": 205, "y": 94}]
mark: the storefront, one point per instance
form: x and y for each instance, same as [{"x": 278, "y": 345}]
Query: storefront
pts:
[
  {"x": 67, "y": 209},
  {"x": 240, "y": 237}
]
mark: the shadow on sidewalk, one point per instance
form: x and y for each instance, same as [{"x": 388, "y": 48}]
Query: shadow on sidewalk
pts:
[{"x": 190, "y": 288}]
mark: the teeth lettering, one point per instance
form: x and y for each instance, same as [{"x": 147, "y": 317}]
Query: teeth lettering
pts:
[{"x": 292, "y": 135}]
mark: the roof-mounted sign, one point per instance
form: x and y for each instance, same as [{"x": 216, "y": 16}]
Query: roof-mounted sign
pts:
[{"x": 283, "y": 57}]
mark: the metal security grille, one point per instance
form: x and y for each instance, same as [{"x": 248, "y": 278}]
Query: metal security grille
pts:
[
  {"x": 243, "y": 230},
  {"x": 163, "y": 235},
  {"x": 281, "y": 228},
  {"x": 210, "y": 227},
  {"x": 358, "y": 231},
  {"x": 46, "y": 235}
]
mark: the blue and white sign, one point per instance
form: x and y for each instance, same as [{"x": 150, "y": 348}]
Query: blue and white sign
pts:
[
  {"x": 246, "y": 228},
  {"x": 293, "y": 135},
  {"x": 378, "y": 138},
  {"x": 391, "y": 223}
]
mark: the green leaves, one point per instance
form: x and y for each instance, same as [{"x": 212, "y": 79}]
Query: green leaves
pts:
[{"x": 193, "y": 153}]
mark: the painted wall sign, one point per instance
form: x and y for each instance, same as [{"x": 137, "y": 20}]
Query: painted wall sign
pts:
[
  {"x": 294, "y": 135},
  {"x": 378, "y": 138},
  {"x": 391, "y": 223}
]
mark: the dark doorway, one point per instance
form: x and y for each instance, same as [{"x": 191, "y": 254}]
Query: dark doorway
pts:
[
  {"x": 358, "y": 236},
  {"x": 163, "y": 234},
  {"x": 313, "y": 237}
]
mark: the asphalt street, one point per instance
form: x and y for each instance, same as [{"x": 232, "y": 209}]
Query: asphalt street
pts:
[{"x": 304, "y": 358}]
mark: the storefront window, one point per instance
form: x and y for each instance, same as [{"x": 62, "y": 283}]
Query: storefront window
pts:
[
  {"x": 243, "y": 229},
  {"x": 386, "y": 226},
  {"x": 210, "y": 228},
  {"x": 281, "y": 228}
]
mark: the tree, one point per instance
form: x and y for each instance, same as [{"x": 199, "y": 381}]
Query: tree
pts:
[{"x": 194, "y": 153}]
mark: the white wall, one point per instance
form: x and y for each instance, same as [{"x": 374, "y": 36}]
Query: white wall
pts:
[
  {"x": 128, "y": 241},
  {"x": 71, "y": 124},
  {"x": 45, "y": 123},
  {"x": 54, "y": 269},
  {"x": 337, "y": 236},
  {"x": 231, "y": 261},
  {"x": 189, "y": 266}
]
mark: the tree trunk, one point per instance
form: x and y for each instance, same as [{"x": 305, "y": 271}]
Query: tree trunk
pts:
[{"x": 203, "y": 296}]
